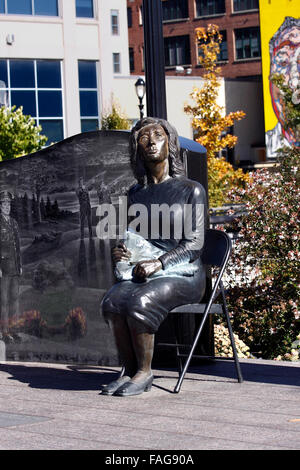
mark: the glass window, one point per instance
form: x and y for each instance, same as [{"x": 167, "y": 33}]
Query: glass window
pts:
[
  {"x": 46, "y": 7},
  {"x": 88, "y": 95},
  {"x": 241, "y": 5},
  {"x": 114, "y": 22},
  {"x": 36, "y": 86},
  {"x": 87, "y": 74},
  {"x": 84, "y": 8},
  {"x": 50, "y": 103},
  {"x": 88, "y": 103},
  {"x": 48, "y": 74},
  {"x": 25, "y": 98},
  {"x": 131, "y": 59},
  {"x": 129, "y": 17},
  {"x": 53, "y": 129},
  {"x": 247, "y": 43},
  {"x": 89, "y": 125},
  {"x": 3, "y": 72},
  {"x": 223, "y": 54},
  {"x": 29, "y": 7},
  {"x": 21, "y": 7},
  {"x": 175, "y": 9},
  {"x": 177, "y": 50},
  {"x": 22, "y": 74},
  {"x": 210, "y": 7},
  {"x": 116, "y": 62}
]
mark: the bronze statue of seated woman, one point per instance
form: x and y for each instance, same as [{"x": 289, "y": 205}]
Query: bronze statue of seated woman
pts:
[{"x": 136, "y": 307}]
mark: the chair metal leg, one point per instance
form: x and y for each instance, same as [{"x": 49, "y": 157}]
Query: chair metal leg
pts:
[
  {"x": 187, "y": 363},
  {"x": 235, "y": 355}
]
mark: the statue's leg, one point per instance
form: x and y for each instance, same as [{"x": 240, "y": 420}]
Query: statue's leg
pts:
[
  {"x": 4, "y": 303},
  {"x": 143, "y": 344},
  {"x": 122, "y": 338},
  {"x": 126, "y": 352}
]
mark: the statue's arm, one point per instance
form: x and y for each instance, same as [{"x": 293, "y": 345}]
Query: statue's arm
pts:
[{"x": 189, "y": 248}]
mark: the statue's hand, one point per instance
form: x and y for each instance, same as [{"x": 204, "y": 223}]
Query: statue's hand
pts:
[
  {"x": 146, "y": 268},
  {"x": 120, "y": 253}
]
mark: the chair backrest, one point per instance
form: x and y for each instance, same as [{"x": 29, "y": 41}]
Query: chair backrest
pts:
[{"x": 217, "y": 248}]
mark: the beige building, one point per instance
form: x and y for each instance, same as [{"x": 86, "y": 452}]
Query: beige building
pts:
[{"x": 58, "y": 59}]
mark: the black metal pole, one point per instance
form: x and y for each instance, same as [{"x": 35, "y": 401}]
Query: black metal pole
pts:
[
  {"x": 154, "y": 59},
  {"x": 141, "y": 106}
]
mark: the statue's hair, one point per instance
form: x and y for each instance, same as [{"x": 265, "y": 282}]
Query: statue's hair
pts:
[{"x": 176, "y": 167}]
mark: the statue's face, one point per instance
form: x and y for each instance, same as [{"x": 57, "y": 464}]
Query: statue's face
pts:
[
  {"x": 5, "y": 207},
  {"x": 153, "y": 144}
]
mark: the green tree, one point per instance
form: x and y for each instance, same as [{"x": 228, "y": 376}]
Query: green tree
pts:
[{"x": 19, "y": 134}]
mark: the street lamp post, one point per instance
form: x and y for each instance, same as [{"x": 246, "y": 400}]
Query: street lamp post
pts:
[
  {"x": 140, "y": 89},
  {"x": 154, "y": 59}
]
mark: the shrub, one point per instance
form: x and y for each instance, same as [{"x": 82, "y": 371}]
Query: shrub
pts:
[
  {"x": 75, "y": 324},
  {"x": 264, "y": 270},
  {"x": 115, "y": 120},
  {"x": 31, "y": 322},
  {"x": 223, "y": 345},
  {"x": 18, "y": 134}
]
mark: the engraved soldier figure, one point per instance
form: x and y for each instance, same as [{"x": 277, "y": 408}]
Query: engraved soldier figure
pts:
[
  {"x": 85, "y": 207},
  {"x": 10, "y": 265}
]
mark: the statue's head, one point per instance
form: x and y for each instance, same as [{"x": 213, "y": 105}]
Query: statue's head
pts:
[
  {"x": 164, "y": 131},
  {"x": 5, "y": 202}
]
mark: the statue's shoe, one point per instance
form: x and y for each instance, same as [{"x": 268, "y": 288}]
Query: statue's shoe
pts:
[
  {"x": 133, "y": 388},
  {"x": 113, "y": 386}
]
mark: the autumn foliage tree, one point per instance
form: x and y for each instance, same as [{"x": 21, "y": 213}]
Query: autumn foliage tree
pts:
[{"x": 210, "y": 121}]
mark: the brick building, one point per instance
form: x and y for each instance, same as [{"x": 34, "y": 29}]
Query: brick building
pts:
[{"x": 238, "y": 21}]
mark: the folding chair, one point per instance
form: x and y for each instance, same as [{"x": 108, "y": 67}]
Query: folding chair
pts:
[{"x": 216, "y": 252}]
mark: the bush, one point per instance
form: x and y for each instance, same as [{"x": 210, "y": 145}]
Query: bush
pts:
[
  {"x": 222, "y": 178},
  {"x": 18, "y": 134},
  {"x": 75, "y": 324},
  {"x": 115, "y": 120},
  {"x": 264, "y": 269},
  {"x": 223, "y": 345}
]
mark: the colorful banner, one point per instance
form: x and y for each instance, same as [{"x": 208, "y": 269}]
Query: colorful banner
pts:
[{"x": 280, "y": 43}]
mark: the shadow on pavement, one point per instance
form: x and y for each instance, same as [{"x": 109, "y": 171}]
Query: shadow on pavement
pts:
[
  {"x": 72, "y": 378},
  {"x": 277, "y": 374},
  {"x": 76, "y": 377}
]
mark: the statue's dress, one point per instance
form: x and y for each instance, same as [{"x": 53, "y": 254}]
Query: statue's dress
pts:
[{"x": 150, "y": 301}]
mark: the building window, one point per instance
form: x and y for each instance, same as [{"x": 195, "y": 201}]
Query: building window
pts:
[
  {"x": 175, "y": 9},
  {"x": 84, "y": 9},
  {"x": 247, "y": 43},
  {"x": 131, "y": 59},
  {"x": 88, "y": 94},
  {"x": 177, "y": 50},
  {"x": 37, "y": 86},
  {"x": 223, "y": 54},
  {"x": 114, "y": 14},
  {"x": 243, "y": 5},
  {"x": 29, "y": 7},
  {"x": 116, "y": 62},
  {"x": 210, "y": 7},
  {"x": 129, "y": 17}
]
